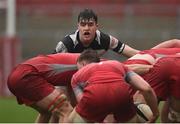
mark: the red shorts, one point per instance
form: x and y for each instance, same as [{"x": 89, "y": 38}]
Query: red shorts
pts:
[
  {"x": 99, "y": 100},
  {"x": 28, "y": 85}
]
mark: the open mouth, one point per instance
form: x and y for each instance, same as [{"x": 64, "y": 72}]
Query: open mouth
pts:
[{"x": 86, "y": 33}]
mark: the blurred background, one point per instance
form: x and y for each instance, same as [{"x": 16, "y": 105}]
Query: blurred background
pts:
[{"x": 40, "y": 24}]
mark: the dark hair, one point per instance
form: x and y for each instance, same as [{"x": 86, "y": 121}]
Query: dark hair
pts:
[
  {"x": 87, "y": 14},
  {"x": 89, "y": 56}
]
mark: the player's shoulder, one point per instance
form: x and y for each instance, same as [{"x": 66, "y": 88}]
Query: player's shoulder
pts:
[
  {"x": 102, "y": 34},
  {"x": 112, "y": 61},
  {"x": 70, "y": 36}
]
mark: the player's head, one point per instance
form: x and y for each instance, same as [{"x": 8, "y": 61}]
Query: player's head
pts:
[
  {"x": 87, "y": 26},
  {"x": 87, "y": 57},
  {"x": 87, "y": 15}
]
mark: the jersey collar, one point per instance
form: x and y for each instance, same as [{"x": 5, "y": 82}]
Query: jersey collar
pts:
[{"x": 74, "y": 37}]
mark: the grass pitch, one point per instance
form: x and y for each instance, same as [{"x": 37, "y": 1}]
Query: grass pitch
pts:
[{"x": 11, "y": 112}]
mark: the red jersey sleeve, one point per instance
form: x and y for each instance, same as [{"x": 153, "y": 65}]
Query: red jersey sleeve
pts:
[{"x": 77, "y": 86}]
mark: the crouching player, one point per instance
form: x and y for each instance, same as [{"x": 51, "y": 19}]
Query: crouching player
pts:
[
  {"x": 158, "y": 79},
  {"x": 33, "y": 83},
  {"x": 165, "y": 78},
  {"x": 103, "y": 88}
]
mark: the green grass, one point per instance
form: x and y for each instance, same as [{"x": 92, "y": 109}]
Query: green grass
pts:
[{"x": 11, "y": 112}]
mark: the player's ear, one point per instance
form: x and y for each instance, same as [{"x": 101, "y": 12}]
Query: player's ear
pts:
[
  {"x": 97, "y": 25},
  {"x": 84, "y": 63},
  {"x": 78, "y": 25},
  {"x": 81, "y": 64}
]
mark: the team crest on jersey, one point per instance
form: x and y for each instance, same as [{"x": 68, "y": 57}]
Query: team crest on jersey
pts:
[{"x": 113, "y": 42}]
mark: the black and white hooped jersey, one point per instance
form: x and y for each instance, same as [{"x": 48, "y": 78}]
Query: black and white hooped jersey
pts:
[{"x": 101, "y": 43}]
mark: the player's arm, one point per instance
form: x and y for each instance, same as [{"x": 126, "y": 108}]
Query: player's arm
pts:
[
  {"x": 121, "y": 48},
  {"x": 129, "y": 51},
  {"x": 60, "y": 48},
  {"x": 174, "y": 43},
  {"x": 140, "y": 84},
  {"x": 78, "y": 91},
  {"x": 139, "y": 68},
  {"x": 77, "y": 87}
]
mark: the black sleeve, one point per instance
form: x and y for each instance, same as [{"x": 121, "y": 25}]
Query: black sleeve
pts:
[
  {"x": 110, "y": 42},
  {"x": 120, "y": 47}
]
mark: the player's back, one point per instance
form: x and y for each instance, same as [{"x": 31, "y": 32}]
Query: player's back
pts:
[
  {"x": 59, "y": 58},
  {"x": 165, "y": 51},
  {"x": 56, "y": 68},
  {"x": 165, "y": 70},
  {"x": 106, "y": 72},
  {"x": 149, "y": 56},
  {"x": 45, "y": 63}
]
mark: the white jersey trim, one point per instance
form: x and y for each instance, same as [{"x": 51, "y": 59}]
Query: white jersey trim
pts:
[{"x": 74, "y": 38}]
